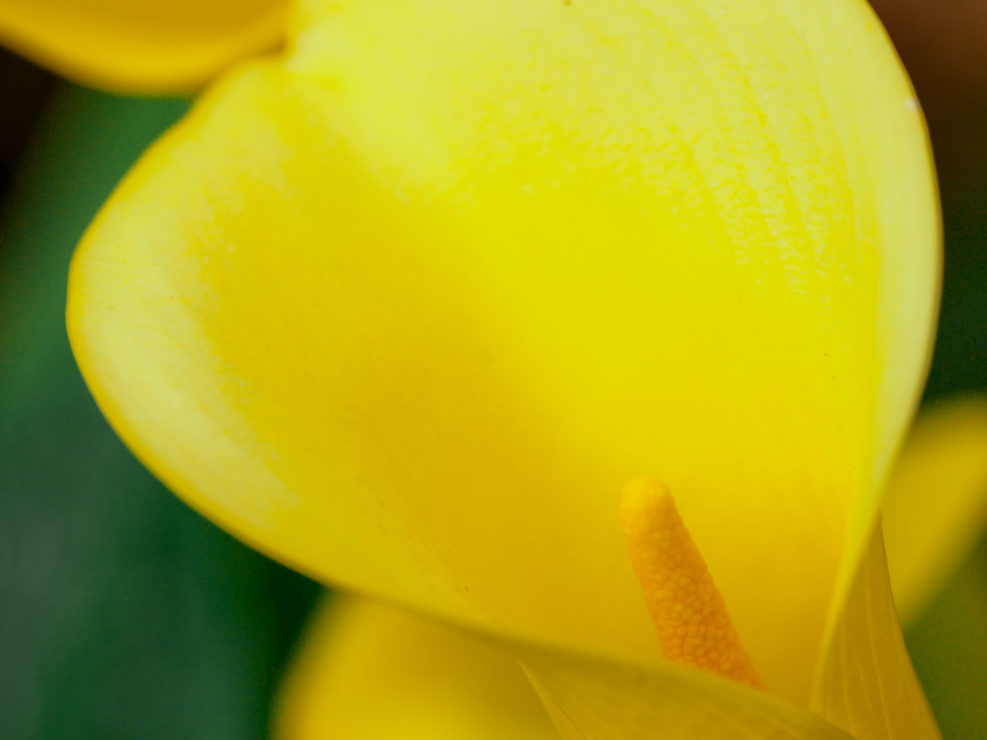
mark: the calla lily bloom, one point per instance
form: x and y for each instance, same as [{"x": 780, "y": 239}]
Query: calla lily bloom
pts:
[
  {"x": 145, "y": 46},
  {"x": 592, "y": 328}
]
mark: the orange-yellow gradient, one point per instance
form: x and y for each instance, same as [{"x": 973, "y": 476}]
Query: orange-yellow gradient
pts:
[{"x": 407, "y": 306}]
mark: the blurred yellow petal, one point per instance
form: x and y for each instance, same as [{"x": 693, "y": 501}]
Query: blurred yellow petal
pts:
[
  {"x": 408, "y": 309},
  {"x": 866, "y": 683},
  {"x": 147, "y": 46},
  {"x": 370, "y": 672},
  {"x": 935, "y": 507}
]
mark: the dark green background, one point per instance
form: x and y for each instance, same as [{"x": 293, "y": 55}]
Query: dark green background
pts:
[{"x": 125, "y": 615}]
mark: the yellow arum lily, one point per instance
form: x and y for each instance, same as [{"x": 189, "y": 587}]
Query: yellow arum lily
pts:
[
  {"x": 144, "y": 46},
  {"x": 410, "y": 306}
]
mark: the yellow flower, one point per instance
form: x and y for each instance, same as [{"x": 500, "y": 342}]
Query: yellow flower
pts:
[
  {"x": 412, "y": 304},
  {"x": 141, "y": 45}
]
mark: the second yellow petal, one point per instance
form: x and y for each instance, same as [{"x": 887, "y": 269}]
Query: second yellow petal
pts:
[
  {"x": 147, "y": 46},
  {"x": 371, "y": 672}
]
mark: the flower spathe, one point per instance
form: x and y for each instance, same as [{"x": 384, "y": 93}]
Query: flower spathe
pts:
[{"x": 408, "y": 306}]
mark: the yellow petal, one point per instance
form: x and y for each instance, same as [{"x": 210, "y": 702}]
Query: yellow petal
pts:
[
  {"x": 591, "y": 699},
  {"x": 866, "y": 683},
  {"x": 409, "y": 309},
  {"x": 370, "y": 672},
  {"x": 144, "y": 45},
  {"x": 935, "y": 507}
]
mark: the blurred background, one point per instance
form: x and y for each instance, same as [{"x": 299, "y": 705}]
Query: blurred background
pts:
[{"x": 123, "y": 614}]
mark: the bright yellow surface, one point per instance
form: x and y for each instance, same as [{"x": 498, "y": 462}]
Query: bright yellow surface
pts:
[
  {"x": 691, "y": 620},
  {"x": 369, "y": 672},
  {"x": 141, "y": 45},
  {"x": 935, "y": 508},
  {"x": 408, "y": 308}
]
